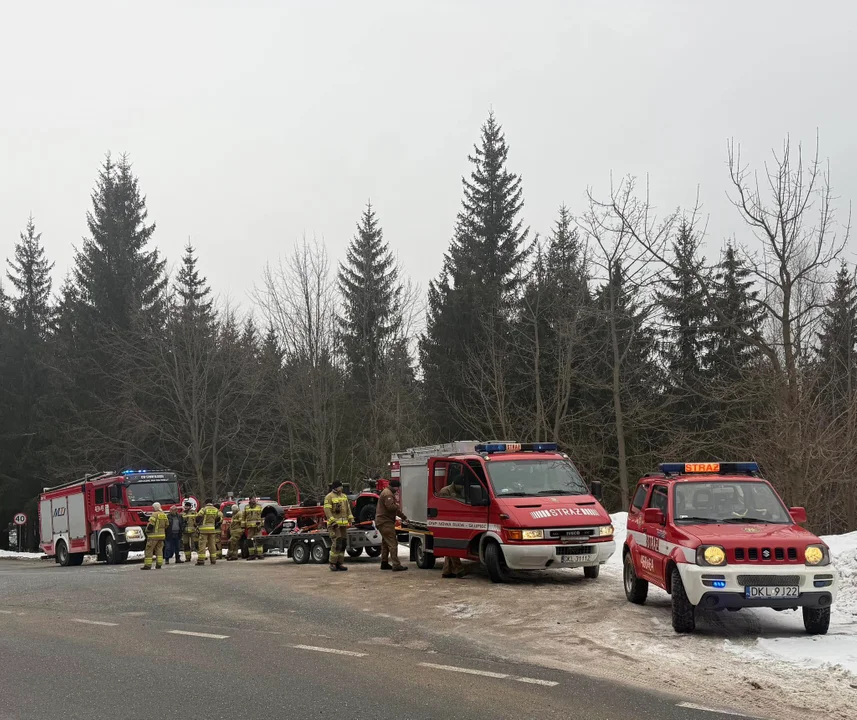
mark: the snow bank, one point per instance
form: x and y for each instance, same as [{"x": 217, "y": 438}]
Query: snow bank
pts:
[
  {"x": 843, "y": 551},
  {"x": 12, "y": 555}
]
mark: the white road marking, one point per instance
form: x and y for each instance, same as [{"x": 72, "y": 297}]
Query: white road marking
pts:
[
  {"x": 6, "y": 612},
  {"x": 694, "y": 706},
  {"x": 486, "y": 673},
  {"x": 94, "y": 622},
  {"x": 334, "y": 651},
  {"x": 198, "y": 634}
]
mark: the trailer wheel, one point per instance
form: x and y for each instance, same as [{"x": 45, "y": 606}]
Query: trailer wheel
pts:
[
  {"x": 320, "y": 552},
  {"x": 373, "y": 551},
  {"x": 498, "y": 571},
  {"x": 110, "y": 550},
  {"x": 425, "y": 560},
  {"x": 367, "y": 512},
  {"x": 63, "y": 556},
  {"x": 354, "y": 552},
  {"x": 300, "y": 553}
]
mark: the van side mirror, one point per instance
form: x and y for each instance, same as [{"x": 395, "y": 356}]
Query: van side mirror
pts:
[
  {"x": 116, "y": 494},
  {"x": 653, "y": 516},
  {"x": 798, "y": 514},
  {"x": 597, "y": 490},
  {"x": 477, "y": 495}
]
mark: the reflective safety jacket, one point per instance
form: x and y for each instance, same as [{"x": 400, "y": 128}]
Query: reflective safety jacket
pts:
[
  {"x": 190, "y": 523},
  {"x": 208, "y": 519},
  {"x": 236, "y": 526},
  {"x": 157, "y": 527},
  {"x": 252, "y": 516},
  {"x": 337, "y": 509}
]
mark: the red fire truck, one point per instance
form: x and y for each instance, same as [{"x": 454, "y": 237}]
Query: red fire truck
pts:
[
  {"x": 511, "y": 506},
  {"x": 104, "y": 514}
]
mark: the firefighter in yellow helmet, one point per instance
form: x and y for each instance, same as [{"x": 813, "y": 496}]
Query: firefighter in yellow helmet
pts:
[
  {"x": 208, "y": 520},
  {"x": 253, "y": 526},
  {"x": 337, "y": 510},
  {"x": 156, "y": 533},
  {"x": 189, "y": 535},
  {"x": 236, "y": 532}
]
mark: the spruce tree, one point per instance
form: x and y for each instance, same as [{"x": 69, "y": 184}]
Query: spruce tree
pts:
[
  {"x": 735, "y": 318},
  {"x": 481, "y": 279},
  {"x": 30, "y": 275},
  {"x": 194, "y": 303},
  {"x": 120, "y": 280},
  {"x": 371, "y": 316},
  {"x": 837, "y": 343},
  {"x": 683, "y": 301}
]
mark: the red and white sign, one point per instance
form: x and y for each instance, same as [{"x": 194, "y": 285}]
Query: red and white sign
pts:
[
  {"x": 194, "y": 503},
  {"x": 20, "y": 519}
]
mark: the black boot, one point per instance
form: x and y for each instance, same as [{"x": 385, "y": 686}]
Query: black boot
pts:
[
  {"x": 342, "y": 568},
  {"x": 333, "y": 567},
  {"x": 399, "y": 568},
  {"x": 386, "y": 566}
]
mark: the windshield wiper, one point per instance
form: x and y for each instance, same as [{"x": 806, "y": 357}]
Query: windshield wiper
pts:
[
  {"x": 695, "y": 519},
  {"x": 555, "y": 492},
  {"x": 748, "y": 520},
  {"x": 513, "y": 494}
]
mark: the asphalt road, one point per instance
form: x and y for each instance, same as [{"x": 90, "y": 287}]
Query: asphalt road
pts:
[{"x": 222, "y": 642}]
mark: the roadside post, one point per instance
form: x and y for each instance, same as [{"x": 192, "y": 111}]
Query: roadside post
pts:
[{"x": 20, "y": 520}]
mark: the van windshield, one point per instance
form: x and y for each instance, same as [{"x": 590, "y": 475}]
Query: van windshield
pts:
[
  {"x": 142, "y": 494},
  {"x": 511, "y": 478}
]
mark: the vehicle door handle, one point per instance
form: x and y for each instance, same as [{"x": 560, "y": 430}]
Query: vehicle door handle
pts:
[{"x": 431, "y": 512}]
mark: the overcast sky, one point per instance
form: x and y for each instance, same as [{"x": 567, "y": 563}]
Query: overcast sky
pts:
[{"x": 253, "y": 123}]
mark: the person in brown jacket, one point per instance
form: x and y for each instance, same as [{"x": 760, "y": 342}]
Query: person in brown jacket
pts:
[
  {"x": 385, "y": 521},
  {"x": 452, "y": 566}
]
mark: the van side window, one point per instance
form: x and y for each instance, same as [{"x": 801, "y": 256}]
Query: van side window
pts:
[
  {"x": 640, "y": 497},
  {"x": 99, "y": 496},
  {"x": 451, "y": 485}
]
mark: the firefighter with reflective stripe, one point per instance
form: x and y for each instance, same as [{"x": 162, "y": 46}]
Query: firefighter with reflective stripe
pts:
[
  {"x": 236, "y": 532},
  {"x": 208, "y": 519},
  {"x": 337, "y": 510},
  {"x": 190, "y": 533},
  {"x": 156, "y": 533},
  {"x": 253, "y": 528},
  {"x": 452, "y": 567},
  {"x": 385, "y": 521}
]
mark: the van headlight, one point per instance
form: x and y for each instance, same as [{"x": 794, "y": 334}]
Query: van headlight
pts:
[
  {"x": 605, "y": 530},
  {"x": 816, "y": 555},
  {"x": 710, "y": 555},
  {"x": 133, "y": 534},
  {"x": 533, "y": 534}
]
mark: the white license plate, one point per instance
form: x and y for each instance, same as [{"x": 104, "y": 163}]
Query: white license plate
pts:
[
  {"x": 772, "y": 591},
  {"x": 577, "y": 558}
]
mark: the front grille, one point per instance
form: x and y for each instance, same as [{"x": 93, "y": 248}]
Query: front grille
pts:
[
  {"x": 572, "y": 533},
  {"x": 765, "y": 554},
  {"x": 779, "y": 580},
  {"x": 574, "y": 549}
]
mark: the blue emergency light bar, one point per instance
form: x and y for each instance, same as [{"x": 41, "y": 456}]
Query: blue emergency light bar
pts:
[
  {"x": 133, "y": 472},
  {"x": 710, "y": 468},
  {"x": 490, "y": 448}
]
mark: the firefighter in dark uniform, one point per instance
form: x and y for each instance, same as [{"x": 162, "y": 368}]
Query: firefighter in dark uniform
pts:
[
  {"x": 208, "y": 520},
  {"x": 337, "y": 510},
  {"x": 452, "y": 567},
  {"x": 385, "y": 522},
  {"x": 253, "y": 529},
  {"x": 156, "y": 533}
]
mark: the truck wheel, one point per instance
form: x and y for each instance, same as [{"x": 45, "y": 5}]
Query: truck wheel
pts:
[
  {"x": 373, "y": 551},
  {"x": 110, "y": 550},
  {"x": 354, "y": 552},
  {"x": 425, "y": 560},
  {"x": 300, "y": 553},
  {"x": 498, "y": 571},
  {"x": 591, "y": 571},
  {"x": 683, "y": 612},
  {"x": 63, "y": 556},
  {"x": 636, "y": 590},
  {"x": 123, "y": 557},
  {"x": 816, "y": 620},
  {"x": 320, "y": 553},
  {"x": 76, "y": 559},
  {"x": 367, "y": 513}
]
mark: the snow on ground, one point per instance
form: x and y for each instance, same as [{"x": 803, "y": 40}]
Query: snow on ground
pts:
[{"x": 12, "y": 555}]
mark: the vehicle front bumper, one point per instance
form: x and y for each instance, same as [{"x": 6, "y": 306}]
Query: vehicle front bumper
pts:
[
  {"x": 526, "y": 556},
  {"x": 738, "y": 577}
]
